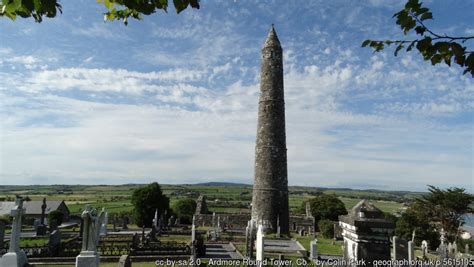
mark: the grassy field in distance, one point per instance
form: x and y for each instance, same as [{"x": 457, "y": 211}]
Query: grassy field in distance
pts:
[{"x": 221, "y": 198}]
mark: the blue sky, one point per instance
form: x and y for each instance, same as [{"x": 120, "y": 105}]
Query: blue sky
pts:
[{"x": 173, "y": 98}]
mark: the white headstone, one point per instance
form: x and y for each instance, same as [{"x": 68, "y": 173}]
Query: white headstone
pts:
[
  {"x": 260, "y": 255},
  {"x": 15, "y": 257},
  {"x": 103, "y": 226},
  {"x": 424, "y": 248},
  {"x": 155, "y": 219},
  {"x": 411, "y": 251},
  {"x": 313, "y": 249}
]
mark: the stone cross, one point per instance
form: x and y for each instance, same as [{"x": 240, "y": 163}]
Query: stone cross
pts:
[
  {"x": 16, "y": 213},
  {"x": 2, "y": 234},
  {"x": 442, "y": 236},
  {"x": 313, "y": 249},
  {"x": 90, "y": 237},
  {"x": 15, "y": 256},
  {"x": 260, "y": 246},
  {"x": 43, "y": 211}
]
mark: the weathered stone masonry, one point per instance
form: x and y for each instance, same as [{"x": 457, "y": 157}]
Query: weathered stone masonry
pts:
[{"x": 270, "y": 189}]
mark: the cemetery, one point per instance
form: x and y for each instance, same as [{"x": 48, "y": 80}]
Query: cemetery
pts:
[{"x": 267, "y": 223}]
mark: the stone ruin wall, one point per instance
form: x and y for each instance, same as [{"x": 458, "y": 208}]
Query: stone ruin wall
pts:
[{"x": 239, "y": 221}]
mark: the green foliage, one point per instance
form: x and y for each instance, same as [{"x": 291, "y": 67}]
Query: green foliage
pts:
[
  {"x": 326, "y": 207},
  {"x": 6, "y": 219},
  {"x": 326, "y": 228},
  {"x": 29, "y": 8},
  {"x": 145, "y": 201},
  {"x": 55, "y": 217},
  {"x": 184, "y": 209},
  {"x": 415, "y": 219},
  {"x": 433, "y": 211},
  {"x": 447, "y": 207},
  {"x": 432, "y": 46},
  {"x": 117, "y": 9}
]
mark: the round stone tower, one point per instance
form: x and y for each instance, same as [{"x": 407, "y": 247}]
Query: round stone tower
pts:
[{"x": 270, "y": 189}]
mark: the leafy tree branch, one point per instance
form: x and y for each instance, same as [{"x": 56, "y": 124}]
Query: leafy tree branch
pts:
[
  {"x": 432, "y": 46},
  {"x": 116, "y": 9}
]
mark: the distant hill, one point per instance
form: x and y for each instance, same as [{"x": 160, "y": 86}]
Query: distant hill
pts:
[{"x": 221, "y": 184}]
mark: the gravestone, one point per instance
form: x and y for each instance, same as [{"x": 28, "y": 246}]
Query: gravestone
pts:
[
  {"x": 411, "y": 251},
  {"x": 124, "y": 261},
  {"x": 249, "y": 239},
  {"x": 124, "y": 223},
  {"x": 278, "y": 232},
  {"x": 260, "y": 255},
  {"x": 424, "y": 248},
  {"x": 135, "y": 240},
  {"x": 54, "y": 242},
  {"x": 155, "y": 220},
  {"x": 2, "y": 233},
  {"x": 114, "y": 223},
  {"x": 400, "y": 249},
  {"x": 171, "y": 221},
  {"x": 450, "y": 248},
  {"x": 90, "y": 237},
  {"x": 213, "y": 220},
  {"x": 313, "y": 249},
  {"x": 443, "y": 248},
  {"x": 466, "y": 248},
  {"x": 193, "y": 233},
  {"x": 15, "y": 256},
  {"x": 103, "y": 226},
  {"x": 41, "y": 228},
  {"x": 302, "y": 232}
]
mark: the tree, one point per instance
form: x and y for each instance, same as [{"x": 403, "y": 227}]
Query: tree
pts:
[
  {"x": 145, "y": 201},
  {"x": 326, "y": 207},
  {"x": 433, "y": 211},
  {"x": 55, "y": 218},
  {"x": 184, "y": 209},
  {"x": 432, "y": 46},
  {"x": 414, "y": 219},
  {"x": 117, "y": 9},
  {"x": 326, "y": 228},
  {"x": 447, "y": 207}
]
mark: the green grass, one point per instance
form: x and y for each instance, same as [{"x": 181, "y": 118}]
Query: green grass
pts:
[{"x": 325, "y": 246}]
